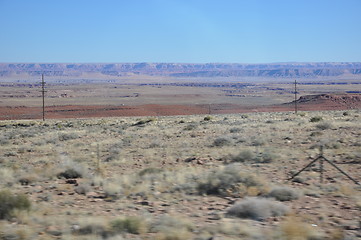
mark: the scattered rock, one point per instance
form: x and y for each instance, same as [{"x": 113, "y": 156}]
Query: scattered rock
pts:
[
  {"x": 52, "y": 230},
  {"x": 71, "y": 181}
]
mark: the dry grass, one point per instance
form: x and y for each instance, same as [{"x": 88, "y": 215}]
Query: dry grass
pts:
[{"x": 191, "y": 168}]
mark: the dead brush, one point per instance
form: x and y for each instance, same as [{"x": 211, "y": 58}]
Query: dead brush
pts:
[
  {"x": 257, "y": 209},
  {"x": 294, "y": 228}
]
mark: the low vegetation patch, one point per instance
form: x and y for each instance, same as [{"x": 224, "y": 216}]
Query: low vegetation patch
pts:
[
  {"x": 284, "y": 194},
  {"x": 134, "y": 225},
  {"x": 316, "y": 119},
  {"x": 10, "y": 202},
  {"x": 250, "y": 157},
  {"x": 69, "y": 173},
  {"x": 230, "y": 181},
  {"x": 222, "y": 141},
  {"x": 257, "y": 209}
]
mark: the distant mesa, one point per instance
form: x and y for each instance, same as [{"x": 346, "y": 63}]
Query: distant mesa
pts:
[
  {"x": 288, "y": 70},
  {"x": 349, "y": 100}
]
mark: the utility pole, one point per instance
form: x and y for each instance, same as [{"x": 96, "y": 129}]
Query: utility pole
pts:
[
  {"x": 43, "y": 94},
  {"x": 295, "y": 96}
]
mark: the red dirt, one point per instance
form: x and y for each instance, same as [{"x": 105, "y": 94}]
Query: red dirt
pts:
[{"x": 305, "y": 103}]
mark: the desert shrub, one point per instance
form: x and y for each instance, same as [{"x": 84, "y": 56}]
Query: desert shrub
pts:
[
  {"x": 190, "y": 127},
  {"x": 17, "y": 232},
  {"x": 68, "y": 136},
  {"x": 248, "y": 156},
  {"x": 302, "y": 114},
  {"x": 316, "y": 134},
  {"x": 28, "y": 178},
  {"x": 70, "y": 169},
  {"x": 4, "y": 140},
  {"x": 171, "y": 228},
  {"x": 221, "y": 141},
  {"x": 324, "y": 126},
  {"x": 232, "y": 228},
  {"x": 229, "y": 181},
  {"x": 114, "y": 152},
  {"x": 82, "y": 189},
  {"x": 7, "y": 176},
  {"x": 111, "y": 190},
  {"x": 134, "y": 225},
  {"x": 243, "y": 156},
  {"x": 257, "y": 209},
  {"x": 143, "y": 122},
  {"x": 294, "y": 228},
  {"x": 28, "y": 134},
  {"x": 148, "y": 171},
  {"x": 92, "y": 228},
  {"x": 69, "y": 173},
  {"x": 316, "y": 119},
  {"x": 154, "y": 144},
  {"x": 235, "y": 130},
  {"x": 258, "y": 142},
  {"x": 284, "y": 194},
  {"x": 207, "y": 118},
  {"x": 174, "y": 234},
  {"x": 266, "y": 157},
  {"x": 10, "y": 202}
]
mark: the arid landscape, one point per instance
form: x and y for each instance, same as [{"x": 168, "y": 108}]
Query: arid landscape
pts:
[
  {"x": 146, "y": 89},
  {"x": 180, "y": 151}
]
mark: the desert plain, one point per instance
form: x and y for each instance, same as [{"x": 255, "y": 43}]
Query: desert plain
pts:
[{"x": 180, "y": 157}]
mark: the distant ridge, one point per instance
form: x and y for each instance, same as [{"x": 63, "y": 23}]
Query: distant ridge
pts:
[{"x": 294, "y": 70}]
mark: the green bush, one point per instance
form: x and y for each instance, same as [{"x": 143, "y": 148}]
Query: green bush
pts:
[
  {"x": 132, "y": 225},
  {"x": 9, "y": 202},
  {"x": 316, "y": 119}
]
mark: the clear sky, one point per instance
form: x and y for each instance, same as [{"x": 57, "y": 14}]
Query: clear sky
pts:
[{"x": 191, "y": 31}]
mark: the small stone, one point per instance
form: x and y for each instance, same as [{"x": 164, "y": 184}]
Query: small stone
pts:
[
  {"x": 52, "y": 230},
  {"x": 145, "y": 203},
  {"x": 200, "y": 162},
  {"x": 71, "y": 181},
  {"x": 351, "y": 227},
  {"x": 91, "y": 194},
  {"x": 214, "y": 216}
]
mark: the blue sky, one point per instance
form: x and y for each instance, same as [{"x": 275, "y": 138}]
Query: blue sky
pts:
[{"x": 183, "y": 31}]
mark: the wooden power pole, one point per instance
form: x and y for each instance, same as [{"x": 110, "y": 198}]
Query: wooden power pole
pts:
[
  {"x": 43, "y": 94},
  {"x": 295, "y": 96}
]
